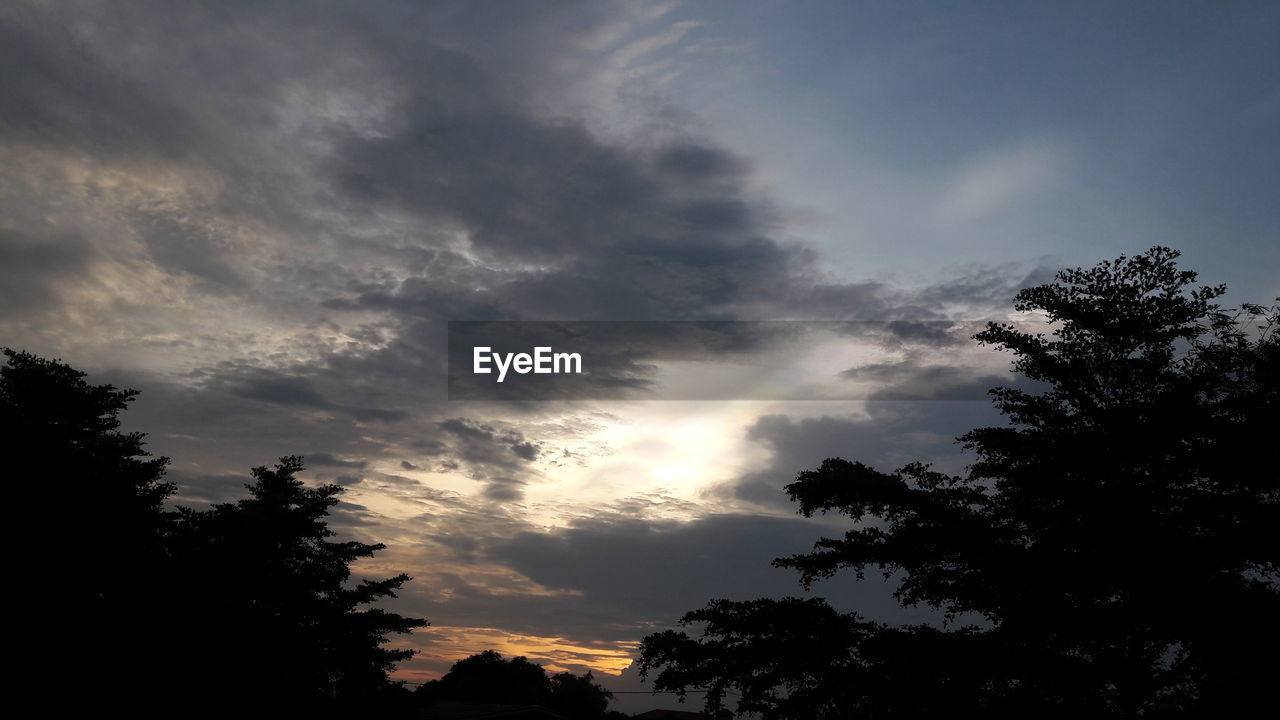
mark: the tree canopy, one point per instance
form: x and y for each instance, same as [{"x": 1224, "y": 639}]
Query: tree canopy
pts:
[
  {"x": 246, "y": 607},
  {"x": 85, "y": 505},
  {"x": 1111, "y": 552},
  {"x": 487, "y": 677},
  {"x": 267, "y": 596}
]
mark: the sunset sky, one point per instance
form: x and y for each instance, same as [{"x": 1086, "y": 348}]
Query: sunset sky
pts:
[{"x": 263, "y": 215}]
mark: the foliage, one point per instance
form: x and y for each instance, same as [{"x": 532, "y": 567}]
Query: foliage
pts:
[
  {"x": 277, "y": 619},
  {"x": 487, "y": 677},
  {"x": 243, "y": 607},
  {"x": 1111, "y": 552},
  {"x": 578, "y": 696},
  {"x": 84, "y": 502},
  {"x": 65, "y": 451}
]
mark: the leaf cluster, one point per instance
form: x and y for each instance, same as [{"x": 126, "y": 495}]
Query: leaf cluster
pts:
[
  {"x": 487, "y": 677},
  {"x": 245, "y": 608},
  {"x": 1111, "y": 551}
]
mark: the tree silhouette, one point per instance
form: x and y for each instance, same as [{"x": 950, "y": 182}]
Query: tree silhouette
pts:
[
  {"x": 268, "y": 600},
  {"x": 487, "y": 677},
  {"x": 245, "y": 607},
  {"x": 84, "y": 511},
  {"x": 578, "y": 696},
  {"x": 1111, "y": 552}
]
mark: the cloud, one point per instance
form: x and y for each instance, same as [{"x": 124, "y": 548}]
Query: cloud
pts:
[
  {"x": 273, "y": 387},
  {"x": 624, "y": 575},
  {"x": 496, "y": 456},
  {"x": 269, "y": 385},
  {"x": 200, "y": 490},
  {"x": 34, "y": 269},
  {"x": 576, "y": 228},
  {"x": 890, "y": 435},
  {"x": 326, "y": 459},
  {"x": 262, "y": 217},
  {"x": 1002, "y": 181},
  {"x": 606, "y": 581},
  {"x": 60, "y": 94}
]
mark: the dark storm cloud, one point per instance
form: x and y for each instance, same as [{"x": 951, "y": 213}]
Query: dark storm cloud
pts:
[
  {"x": 589, "y": 230},
  {"x": 583, "y": 228}
]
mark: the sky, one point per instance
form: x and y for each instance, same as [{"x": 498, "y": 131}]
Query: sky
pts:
[{"x": 263, "y": 216}]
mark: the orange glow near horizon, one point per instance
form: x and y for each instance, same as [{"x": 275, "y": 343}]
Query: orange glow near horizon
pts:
[{"x": 556, "y": 654}]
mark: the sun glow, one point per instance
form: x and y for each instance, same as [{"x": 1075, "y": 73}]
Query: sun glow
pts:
[{"x": 556, "y": 654}]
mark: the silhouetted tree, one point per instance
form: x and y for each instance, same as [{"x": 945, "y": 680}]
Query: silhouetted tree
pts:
[
  {"x": 487, "y": 677},
  {"x": 84, "y": 512},
  {"x": 245, "y": 607},
  {"x": 578, "y": 696},
  {"x": 1111, "y": 553},
  {"x": 274, "y": 623}
]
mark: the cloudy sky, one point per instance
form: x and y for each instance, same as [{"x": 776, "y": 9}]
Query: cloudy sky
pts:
[{"x": 262, "y": 215}]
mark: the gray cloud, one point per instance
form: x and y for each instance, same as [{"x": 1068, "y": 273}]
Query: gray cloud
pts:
[
  {"x": 632, "y": 574},
  {"x": 273, "y": 387},
  {"x": 283, "y": 388},
  {"x": 281, "y": 206},
  {"x": 176, "y": 243},
  {"x": 497, "y": 457},
  {"x": 917, "y": 377},
  {"x": 198, "y": 490},
  {"x": 892, "y": 435},
  {"x": 33, "y": 269},
  {"x": 608, "y": 238},
  {"x": 326, "y": 459},
  {"x": 60, "y": 93}
]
